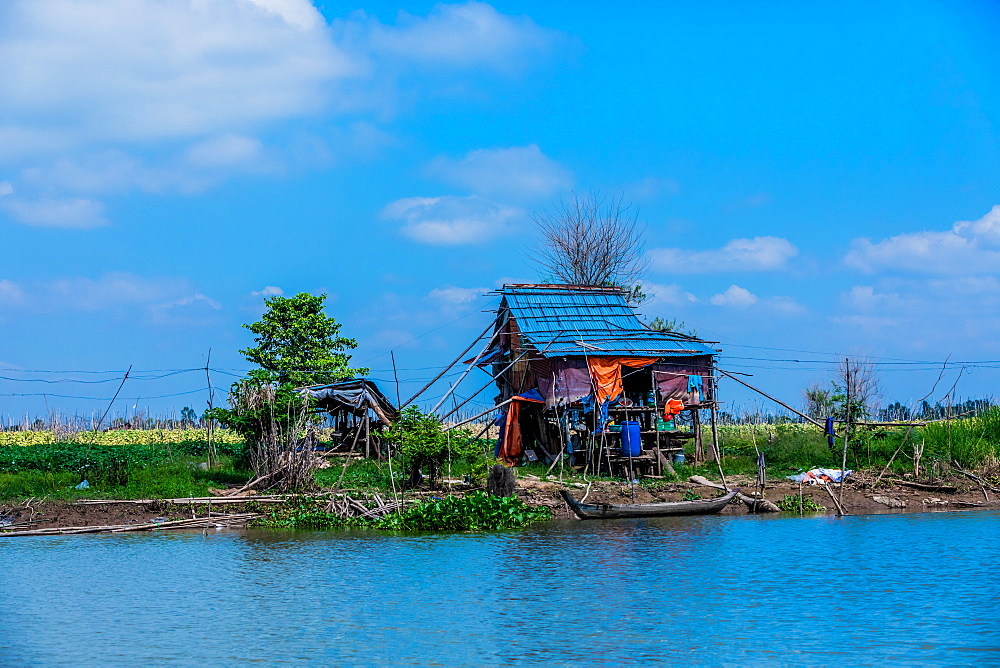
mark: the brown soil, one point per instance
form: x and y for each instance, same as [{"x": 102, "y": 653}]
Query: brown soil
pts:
[
  {"x": 48, "y": 514},
  {"x": 859, "y": 496}
]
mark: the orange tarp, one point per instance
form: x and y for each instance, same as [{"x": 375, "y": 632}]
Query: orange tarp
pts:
[
  {"x": 606, "y": 372},
  {"x": 512, "y": 447}
]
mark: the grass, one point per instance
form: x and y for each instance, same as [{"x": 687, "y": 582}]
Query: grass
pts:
[
  {"x": 53, "y": 470},
  {"x": 165, "y": 466},
  {"x": 971, "y": 443}
]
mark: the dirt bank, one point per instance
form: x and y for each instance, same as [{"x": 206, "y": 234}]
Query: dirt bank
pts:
[
  {"x": 860, "y": 497},
  {"x": 49, "y": 514}
]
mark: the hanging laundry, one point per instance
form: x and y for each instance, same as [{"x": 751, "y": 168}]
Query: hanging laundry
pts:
[
  {"x": 606, "y": 374},
  {"x": 695, "y": 388},
  {"x": 672, "y": 407},
  {"x": 509, "y": 446},
  {"x": 830, "y": 433}
]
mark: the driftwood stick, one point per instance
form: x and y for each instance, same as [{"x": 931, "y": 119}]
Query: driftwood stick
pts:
[{"x": 970, "y": 476}]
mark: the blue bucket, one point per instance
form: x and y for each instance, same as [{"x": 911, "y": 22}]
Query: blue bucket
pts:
[{"x": 631, "y": 439}]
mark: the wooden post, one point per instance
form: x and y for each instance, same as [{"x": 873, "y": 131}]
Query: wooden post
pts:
[
  {"x": 368, "y": 440},
  {"x": 395, "y": 376},
  {"x": 211, "y": 403},
  {"x": 716, "y": 452},
  {"x": 699, "y": 448}
]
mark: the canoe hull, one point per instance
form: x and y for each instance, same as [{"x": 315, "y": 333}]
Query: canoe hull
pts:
[{"x": 595, "y": 511}]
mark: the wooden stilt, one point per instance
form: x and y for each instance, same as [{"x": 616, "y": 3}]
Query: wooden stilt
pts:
[{"x": 699, "y": 447}]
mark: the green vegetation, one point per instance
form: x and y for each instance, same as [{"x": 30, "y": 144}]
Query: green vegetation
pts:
[
  {"x": 477, "y": 511},
  {"x": 298, "y": 344},
  {"x": 425, "y": 445},
  {"x": 971, "y": 443},
  {"x": 53, "y": 470},
  {"x": 794, "y": 503}
]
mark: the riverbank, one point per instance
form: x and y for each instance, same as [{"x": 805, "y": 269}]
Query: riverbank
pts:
[{"x": 860, "y": 497}]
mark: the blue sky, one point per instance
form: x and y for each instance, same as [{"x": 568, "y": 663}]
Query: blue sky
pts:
[{"x": 819, "y": 178}]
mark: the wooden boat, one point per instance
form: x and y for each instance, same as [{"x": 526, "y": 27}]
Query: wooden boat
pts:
[{"x": 593, "y": 511}]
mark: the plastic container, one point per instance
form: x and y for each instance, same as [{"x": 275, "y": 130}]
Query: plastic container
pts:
[
  {"x": 665, "y": 425},
  {"x": 678, "y": 458},
  {"x": 631, "y": 439}
]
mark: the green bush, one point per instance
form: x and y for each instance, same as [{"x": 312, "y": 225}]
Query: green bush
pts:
[
  {"x": 475, "y": 512},
  {"x": 425, "y": 445}
]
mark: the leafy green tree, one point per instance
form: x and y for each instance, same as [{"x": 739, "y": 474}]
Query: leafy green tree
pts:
[
  {"x": 188, "y": 416},
  {"x": 671, "y": 325},
  {"x": 297, "y": 343},
  {"x": 425, "y": 445}
]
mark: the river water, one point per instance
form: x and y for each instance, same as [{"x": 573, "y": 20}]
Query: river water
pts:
[{"x": 911, "y": 589}]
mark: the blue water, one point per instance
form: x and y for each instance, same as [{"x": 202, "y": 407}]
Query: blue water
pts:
[{"x": 908, "y": 589}]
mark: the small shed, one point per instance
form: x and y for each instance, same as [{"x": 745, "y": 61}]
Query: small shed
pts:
[
  {"x": 575, "y": 363},
  {"x": 356, "y": 407}
]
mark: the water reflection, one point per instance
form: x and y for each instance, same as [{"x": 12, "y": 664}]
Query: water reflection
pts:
[{"x": 907, "y": 588}]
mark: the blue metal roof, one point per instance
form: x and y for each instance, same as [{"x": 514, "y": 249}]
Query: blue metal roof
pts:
[{"x": 580, "y": 320}]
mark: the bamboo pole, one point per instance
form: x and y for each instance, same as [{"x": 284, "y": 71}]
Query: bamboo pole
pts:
[
  {"x": 765, "y": 394},
  {"x": 466, "y": 372},
  {"x": 847, "y": 426},
  {"x": 447, "y": 368},
  {"x": 479, "y": 415}
]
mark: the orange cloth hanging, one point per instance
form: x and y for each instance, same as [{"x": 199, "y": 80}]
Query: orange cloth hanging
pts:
[
  {"x": 606, "y": 373},
  {"x": 672, "y": 407},
  {"x": 512, "y": 446}
]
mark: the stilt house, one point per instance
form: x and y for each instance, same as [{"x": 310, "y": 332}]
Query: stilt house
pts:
[{"x": 575, "y": 363}]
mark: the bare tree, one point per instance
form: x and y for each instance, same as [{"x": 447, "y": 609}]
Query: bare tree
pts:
[
  {"x": 591, "y": 240},
  {"x": 858, "y": 388}
]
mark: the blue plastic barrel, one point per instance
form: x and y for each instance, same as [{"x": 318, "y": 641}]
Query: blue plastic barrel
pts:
[{"x": 631, "y": 439}]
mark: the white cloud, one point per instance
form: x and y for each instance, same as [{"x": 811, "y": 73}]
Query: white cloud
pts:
[
  {"x": 464, "y": 36},
  {"x": 110, "y": 171},
  {"x": 268, "y": 291},
  {"x": 77, "y": 213},
  {"x": 108, "y": 96},
  {"x": 969, "y": 247},
  {"x": 734, "y": 296},
  {"x": 450, "y": 220},
  {"x": 110, "y": 290},
  {"x": 756, "y": 254},
  {"x": 671, "y": 295},
  {"x": 224, "y": 151},
  {"x": 520, "y": 172},
  {"x": 865, "y": 298},
  {"x": 140, "y": 69},
  {"x": 193, "y": 310},
  {"x": 456, "y": 296},
  {"x": 10, "y": 292}
]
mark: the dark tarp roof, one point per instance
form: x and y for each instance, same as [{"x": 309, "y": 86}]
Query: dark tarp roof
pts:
[{"x": 354, "y": 396}]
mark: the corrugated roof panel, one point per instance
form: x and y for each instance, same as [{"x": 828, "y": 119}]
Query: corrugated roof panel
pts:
[{"x": 581, "y": 321}]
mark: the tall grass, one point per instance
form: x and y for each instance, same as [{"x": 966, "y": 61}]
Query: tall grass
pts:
[{"x": 969, "y": 442}]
